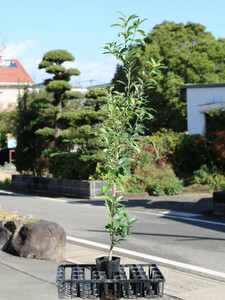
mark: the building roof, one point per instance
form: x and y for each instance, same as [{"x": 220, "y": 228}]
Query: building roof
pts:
[
  {"x": 202, "y": 85},
  {"x": 12, "y": 72}
]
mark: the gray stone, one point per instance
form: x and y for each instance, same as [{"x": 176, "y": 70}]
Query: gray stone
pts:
[
  {"x": 5, "y": 234},
  {"x": 12, "y": 225},
  {"x": 40, "y": 240},
  {"x": 7, "y": 228}
]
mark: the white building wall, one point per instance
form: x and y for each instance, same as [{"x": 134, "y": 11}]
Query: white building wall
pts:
[
  {"x": 8, "y": 97},
  {"x": 200, "y": 100}
]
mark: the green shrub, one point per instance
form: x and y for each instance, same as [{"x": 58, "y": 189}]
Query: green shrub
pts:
[
  {"x": 215, "y": 120},
  {"x": 68, "y": 165},
  {"x": 211, "y": 176},
  {"x": 164, "y": 183},
  {"x": 160, "y": 189},
  {"x": 174, "y": 188},
  {"x": 216, "y": 141},
  {"x": 190, "y": 153},
  {"x": 186, "y": 152},
  {"x": 99, "y": 174},
  {"x": 156, "y": 176},
  {"x": 165, "y": 141},
  {"x": 5, "y": 183}
]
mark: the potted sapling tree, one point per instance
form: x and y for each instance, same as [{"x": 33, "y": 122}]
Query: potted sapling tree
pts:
[
  {"x": 121, "y": 131},
  {"x": 126, "y": 112}
]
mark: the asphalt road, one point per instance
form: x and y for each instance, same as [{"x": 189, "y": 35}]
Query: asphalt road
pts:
[{"x": 196, "y": 238}]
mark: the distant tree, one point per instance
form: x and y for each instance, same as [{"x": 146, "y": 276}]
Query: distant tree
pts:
[
  {"x": 59, "y": 87},
  {"x": 35, "y": 112},
  {"x": 40, "y": 124},
  {"x": 215, "y": 120},
  {"x": 82, "y": 132},
  {"x": 191, "y": 55},
  {"x": 87, "y": 133}
]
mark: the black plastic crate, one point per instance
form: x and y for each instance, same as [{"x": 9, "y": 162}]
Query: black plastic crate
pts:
[{"x": 132, "y": 281}]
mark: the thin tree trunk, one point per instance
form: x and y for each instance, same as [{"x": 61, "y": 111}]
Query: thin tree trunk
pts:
[
  {"x": 58, "y": 125},
  {"x": 110, "y": 252}
]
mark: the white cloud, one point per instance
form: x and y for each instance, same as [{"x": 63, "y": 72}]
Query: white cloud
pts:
[
  {"x": 31, "y": 66},
  {"x": 18, "y": 50},
  {"x": 99, "y": 72},
  {"x": 91, "y": 72},
  {"x": 96, "y": 72}
]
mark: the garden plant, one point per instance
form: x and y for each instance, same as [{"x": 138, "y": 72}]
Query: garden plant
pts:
[
  {"x": 126, "y": 111},
  {"x": 210, "y": 176},
  {"x": 152, "y": 173}
]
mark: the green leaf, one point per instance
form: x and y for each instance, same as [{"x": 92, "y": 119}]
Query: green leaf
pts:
[
  {"x": 122, "y": 177},
  {"x": 119, "y": 81},
  {"x": 110, "y": 175},
  {"x": 109, "y": 228},
  {"x": 120, "y": 185},
  {"x": 140, "y": 41},
  {"x": 104, "y": 190},
  {"x": 116, "y": 25},
  {"x": 108, "y": 205},
  {"x": 120, "y": 199},
  {"x": 131, "y": 27},
  {"x": 120, "y": 18},
  {"x": 142, "y": 32},
  {"x": 132, "y": 221},
  {"x": 127, "y": 170},
  {"x": 111, "y": 198},
  {"x": 116, "y": 223},
  {"x": 119, "y": 12},
  {"x": 125, "y": 160},
  {"x": 153, "y": 62}
]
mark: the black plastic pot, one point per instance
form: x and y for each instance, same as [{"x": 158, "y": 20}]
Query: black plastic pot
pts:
[{"x": 109, "y": 267}]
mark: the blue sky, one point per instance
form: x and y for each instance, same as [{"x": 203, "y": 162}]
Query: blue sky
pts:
[{"x": 29, "y": 28}]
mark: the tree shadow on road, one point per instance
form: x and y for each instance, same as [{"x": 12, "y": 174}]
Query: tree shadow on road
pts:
[
  {"x": 202, "y": 205},
  {"x": 177, "y": 236}
]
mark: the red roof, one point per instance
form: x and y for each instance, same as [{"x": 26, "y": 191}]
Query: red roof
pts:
[{"x": 13, "y": 72}]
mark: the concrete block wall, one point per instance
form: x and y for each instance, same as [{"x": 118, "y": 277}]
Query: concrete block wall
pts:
[{"x": 68, "y": 187}]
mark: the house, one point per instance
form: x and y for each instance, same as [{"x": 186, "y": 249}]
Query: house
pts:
[
  {"x": 79, "y": 89},
  {"x": 12, "y": 79},
  {"x": 200, "y": 99}
]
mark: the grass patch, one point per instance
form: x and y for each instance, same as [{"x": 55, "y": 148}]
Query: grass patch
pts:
[
  {"x": 5, "y": 183},
  {"x": 7, "y": 215}
]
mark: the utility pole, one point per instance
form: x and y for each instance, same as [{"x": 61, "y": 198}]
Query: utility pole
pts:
[{"x": 91, "y": 80}]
